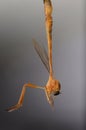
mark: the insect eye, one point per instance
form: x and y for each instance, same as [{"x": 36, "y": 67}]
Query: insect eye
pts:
[{"x": 56, "y": 93}]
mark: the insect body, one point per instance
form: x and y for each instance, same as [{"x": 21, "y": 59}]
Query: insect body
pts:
[{"x": 52, "y": 88}]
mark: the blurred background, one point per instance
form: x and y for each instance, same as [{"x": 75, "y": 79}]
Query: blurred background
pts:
[{"x": 20, "y": 22}]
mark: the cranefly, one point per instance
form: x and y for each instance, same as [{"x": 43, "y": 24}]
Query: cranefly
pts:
[{"x": 52, "y": 87}]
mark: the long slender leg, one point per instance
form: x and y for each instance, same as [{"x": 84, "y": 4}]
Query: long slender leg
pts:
[
  {"x": 49, "y": 21},
  {"x": 49, "y": 98},
  {"x": 21, "y": 99}
]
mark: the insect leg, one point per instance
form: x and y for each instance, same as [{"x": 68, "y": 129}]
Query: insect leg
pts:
[
  {"x": 20, "y": 101},
  {"x": 49, "y": 98}
]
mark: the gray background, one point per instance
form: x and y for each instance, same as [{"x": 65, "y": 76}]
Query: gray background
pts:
[{"x": 20, "y": 21}]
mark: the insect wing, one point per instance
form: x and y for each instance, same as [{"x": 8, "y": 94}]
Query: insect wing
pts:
[{"x": 41, "y": 51}]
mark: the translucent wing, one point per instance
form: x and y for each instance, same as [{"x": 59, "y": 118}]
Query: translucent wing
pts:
[{"x": 41, "y": 51}]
